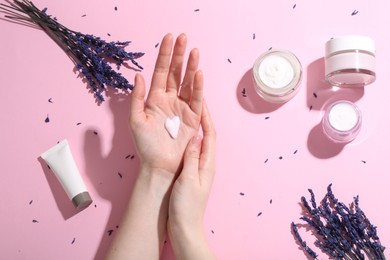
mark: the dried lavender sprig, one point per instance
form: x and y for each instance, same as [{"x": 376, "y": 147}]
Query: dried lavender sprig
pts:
[
  {"x": 91, "y": 54},
  {"x": 342, "y": 233},
  {"x": 301, "y": 242}
]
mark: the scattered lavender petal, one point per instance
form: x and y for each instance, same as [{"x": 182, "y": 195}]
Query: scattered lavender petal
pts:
[{"x": 243, "y": 92}]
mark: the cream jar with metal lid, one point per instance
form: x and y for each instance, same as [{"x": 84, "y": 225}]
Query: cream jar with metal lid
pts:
[{"x": 350, "y": 61}]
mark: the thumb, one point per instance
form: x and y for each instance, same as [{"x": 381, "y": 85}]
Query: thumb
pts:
[
  {"x": 191, "y": 157},
  {"x": 137, "y": 99}
]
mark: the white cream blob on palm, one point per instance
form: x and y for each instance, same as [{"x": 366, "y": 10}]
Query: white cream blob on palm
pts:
[
  {"x": 172, "y": 125},
  {"x": 276, "y": 72},
  {"x": 343, "y": 116}
]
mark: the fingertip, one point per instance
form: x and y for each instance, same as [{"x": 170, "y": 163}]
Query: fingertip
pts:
[
  {"x": 137, "y": 78},
  {"x": 137, "y": 96},
  {"x": 196, "y": 141},
  {"x": 182, "y": 37},
  {"x": 168, "y": 36},
  {"x": 192, "y": 155},
  {"x": 139, "y": 83},
  {"x": 206, "y": 121},
  {"x": 195, "y": 53}
]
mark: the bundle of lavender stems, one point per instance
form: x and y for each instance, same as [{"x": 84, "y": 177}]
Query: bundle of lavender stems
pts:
[
  {"x": 341, "y": 232},
  {"x": 92, "y": 55}
]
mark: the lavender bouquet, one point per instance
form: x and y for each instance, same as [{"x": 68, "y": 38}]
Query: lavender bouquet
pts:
[
  {"x": 90, "y": 54},
  {"x": 342, "y": 232}
]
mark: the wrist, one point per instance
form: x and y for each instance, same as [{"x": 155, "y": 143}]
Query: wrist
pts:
[
  {"x": 185, "y": 234},
  {"x": 189, "y": 243},
  {"x": 156, "y": 176}
]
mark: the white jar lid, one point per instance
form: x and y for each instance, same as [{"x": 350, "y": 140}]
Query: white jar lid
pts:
[{"x": 350, "y": 42}]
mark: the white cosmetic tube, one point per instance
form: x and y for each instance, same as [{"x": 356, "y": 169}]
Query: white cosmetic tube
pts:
[{"x": 60, "y": 160}]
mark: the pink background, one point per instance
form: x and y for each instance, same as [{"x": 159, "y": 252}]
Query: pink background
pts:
[{"x": 34, "y": 69}]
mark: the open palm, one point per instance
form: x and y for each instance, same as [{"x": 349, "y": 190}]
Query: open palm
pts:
[{"x": 169, "y": 96}]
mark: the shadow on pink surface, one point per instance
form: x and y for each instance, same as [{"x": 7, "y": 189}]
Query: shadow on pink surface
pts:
[
  {"x": 320, "y": 93},
  {"x": 113, "y": 173},
  {"x": 249, "y": 99},
  {"x": 321, "y": 146}
]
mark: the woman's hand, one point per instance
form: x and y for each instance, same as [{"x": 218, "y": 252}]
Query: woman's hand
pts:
[
  {"x": 168, "y": 96},
  {"x": 190, "y": 194}
]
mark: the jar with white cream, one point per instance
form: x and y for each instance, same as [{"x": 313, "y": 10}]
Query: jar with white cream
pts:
[
  {"x": 342, "y": 121},
  {"x": 277, "y": 75},
  {"x": 350, "y": 61}
]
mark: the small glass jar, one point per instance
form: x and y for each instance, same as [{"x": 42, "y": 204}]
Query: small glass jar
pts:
[
  {"x": 277, "y": 75},
  {"x": 342, "y": 121},
  {"x": 350, "y": 61}
]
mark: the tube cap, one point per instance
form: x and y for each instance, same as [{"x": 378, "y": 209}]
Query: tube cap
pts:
[
  {"x": 350, "y": 42},
  {"x": 82, "y": 200}
]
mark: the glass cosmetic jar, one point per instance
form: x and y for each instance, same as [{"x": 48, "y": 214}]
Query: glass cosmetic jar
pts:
[
  {"x": 277, "y": 75},
  {"x": 350, "y": 61},
  {"x": 342, "y": 121}
]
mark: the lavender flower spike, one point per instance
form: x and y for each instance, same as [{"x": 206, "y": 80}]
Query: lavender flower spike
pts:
[
  {"x": 90, "y": 54},
  {"x": 341, "y": 232}
]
